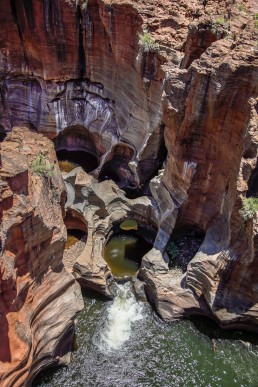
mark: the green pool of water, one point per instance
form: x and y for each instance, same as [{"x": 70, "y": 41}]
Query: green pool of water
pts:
[
  {"x": 157, "y": 354},
  {"x": 123, "y": 254}
]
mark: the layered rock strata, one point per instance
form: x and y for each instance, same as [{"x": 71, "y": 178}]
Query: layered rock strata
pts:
[
  {"x": 78, "y": 74},
  {"x": 39, "y": 299}
]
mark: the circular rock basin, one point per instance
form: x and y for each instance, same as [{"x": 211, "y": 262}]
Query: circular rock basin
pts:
[
  {"x": 73, "y": 237},
  {"x": 68, "y": 160},
  {"x": 123, "y": 253}
]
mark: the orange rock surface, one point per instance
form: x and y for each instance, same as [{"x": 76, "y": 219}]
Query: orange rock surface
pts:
[
  {"x": 189, "y": 107},
  {"x": 37, "y": 295}
]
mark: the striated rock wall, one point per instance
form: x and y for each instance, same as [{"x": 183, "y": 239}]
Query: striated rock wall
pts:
[
  {"x": 37, "y": 294},
  {"x": 56, "y": 49},
  {"x": 78, "y": 75}
]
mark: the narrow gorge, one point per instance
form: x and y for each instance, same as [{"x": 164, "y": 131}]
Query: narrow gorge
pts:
[{"x": 128, "y": 167}]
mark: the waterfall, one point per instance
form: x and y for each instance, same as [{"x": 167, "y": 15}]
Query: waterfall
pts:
[{"x": 121, "y": 314}]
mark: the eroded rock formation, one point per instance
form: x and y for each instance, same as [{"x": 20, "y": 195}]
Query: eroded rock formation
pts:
[
  {"x": 37, "y": 294},
  {"x": 178, "y": 123},
  {"x": 102, "y": 206}
]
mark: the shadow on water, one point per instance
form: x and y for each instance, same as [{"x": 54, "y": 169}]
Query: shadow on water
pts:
[
  {"x": 94, "y": 295},
  {"x": 211, "y": 329}
]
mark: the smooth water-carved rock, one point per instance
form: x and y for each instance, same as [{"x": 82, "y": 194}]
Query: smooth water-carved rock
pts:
[
  {"x": 102, "y": 205},
  {"x": 188, "y": 109},
  {"x": 39, "y": 299}
]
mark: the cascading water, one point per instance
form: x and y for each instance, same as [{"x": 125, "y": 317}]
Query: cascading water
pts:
[
  {"x": 123, "y": 343},
  {"x": 156, "y": 353},
  {"x": 121, "y": 314}
]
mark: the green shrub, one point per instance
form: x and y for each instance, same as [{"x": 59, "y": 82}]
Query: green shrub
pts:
[
  {"x": 250, "y": 207},
  {"x": 241, "y": 7},
  {"x": 41, "y": 166},
  {"x": 172, "y": 251},
  {"x": 147, "y": 43},
  {"x": 218, "y": 23},
  {"x": 256, "y": 20}
]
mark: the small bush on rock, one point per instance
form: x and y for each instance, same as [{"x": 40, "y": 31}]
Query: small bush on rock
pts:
[
  {"x": 250, "y": 207},
  {"x": 256, "y": 20},
  {"x": 41, "y": 166},
  {"x": 147, "y": 43},
  {"x": 217, "y": 24}
]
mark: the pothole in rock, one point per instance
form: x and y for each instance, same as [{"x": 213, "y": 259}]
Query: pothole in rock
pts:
[
  {"x": 76, "y": 146},
  {"x": 68, "y": 160},
  {"x": 181, "y": 249},
  {"x": 126, "y": 247},
  {"x": 74, "y": 246}
]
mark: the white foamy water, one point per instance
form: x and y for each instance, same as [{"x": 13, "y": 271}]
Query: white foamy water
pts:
[{"x": 123, "y": 311}]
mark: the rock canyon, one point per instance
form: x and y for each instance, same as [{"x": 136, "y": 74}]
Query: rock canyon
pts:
[{"x": 165, "y": 134}]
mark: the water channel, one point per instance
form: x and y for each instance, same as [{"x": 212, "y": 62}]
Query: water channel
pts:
[{"x": 124, "y": 343}]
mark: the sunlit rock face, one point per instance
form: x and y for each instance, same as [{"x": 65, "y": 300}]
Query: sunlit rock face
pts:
[
  {"x": 39, "y": 299},
  {"x": 183, "y": 116},
  {"x": 81, "y": 67}
]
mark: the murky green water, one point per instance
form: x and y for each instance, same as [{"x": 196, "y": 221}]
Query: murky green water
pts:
[
  {"x": 123, "y": 253},
  {"x": 156, "y": 354}
]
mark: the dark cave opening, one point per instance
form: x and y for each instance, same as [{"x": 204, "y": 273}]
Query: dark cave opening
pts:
[
  {"x": 76, "y": 146},
  {"x": 74, "y": 236},
  {"x": 76, "y": 229},
  {"x": 253, "y": 184},
  {"x": 117, "y": 168},
  {"x": 2, "y": 136},
  {"x": 183, "y": 245},
  {"x": 70, "y": 159}
]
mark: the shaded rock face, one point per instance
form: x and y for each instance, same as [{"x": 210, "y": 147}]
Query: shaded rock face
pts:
[
  {"x": 37, "y": 294},
  {"x": 178, "y": 124}
]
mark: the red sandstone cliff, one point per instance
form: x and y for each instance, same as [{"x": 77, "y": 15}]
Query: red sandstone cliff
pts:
[
  {"x": 80, "y": 69},
  {"x": 37, "y": 295}
]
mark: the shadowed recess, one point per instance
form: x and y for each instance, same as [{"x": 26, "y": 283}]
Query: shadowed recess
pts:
[
  {"x": 68, "y": 160},
  {"x": 116, "y": 168},
  {"x": 183, "y": 245},
  {"x": 76, "y": 229},
  {"x": 74, "y": 236},
  {"x": 253, "y": 184},
  {"x": 75, "y": 146}
]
